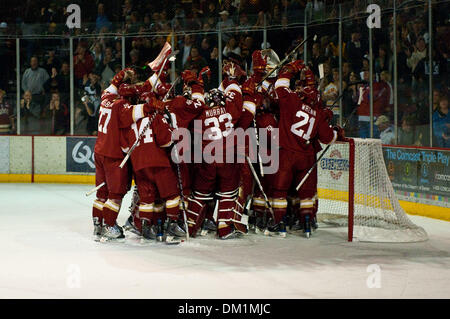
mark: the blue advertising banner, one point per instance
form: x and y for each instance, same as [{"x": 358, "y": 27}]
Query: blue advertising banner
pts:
[
  {"x": 419, "y": 170},
  {"x": 80, "y": 154}
]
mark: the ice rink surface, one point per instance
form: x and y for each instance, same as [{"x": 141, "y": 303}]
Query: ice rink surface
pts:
[{"x": 47, "y": 251}]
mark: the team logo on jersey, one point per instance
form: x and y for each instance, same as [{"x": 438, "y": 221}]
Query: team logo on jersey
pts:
[{"x": 336, "y": 164}]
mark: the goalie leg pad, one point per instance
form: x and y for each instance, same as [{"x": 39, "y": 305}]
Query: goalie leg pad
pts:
[
  {"x": 196, "y": 210},
  {"x": 230, "y": 214}
]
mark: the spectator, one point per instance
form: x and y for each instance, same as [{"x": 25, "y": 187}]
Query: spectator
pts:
[
  {"x": 346, "y": 70},
  {"x": 231, "y": 46},
  {"x": 420, "y": 52},
  {"x": 387, "y": 134},
  {"x": 331, "y": 93},
  {"x": 7, "y": 123},
  {"x": 106, "y": 69},
  {"x": 127, "y": 8},
  {"x": 316, "y": 58},
  {"x": 380, "y": 102},
  {"x": 205, "y": 49},
  {"x": 30, "y": 113},
  {"x": 406, "y": 131},
  {"x": 34, "y": 77},
  {"x": 97, "y": 53},
  {"x": 243, "y": 21},
  {"x": 58, "y": 113},
  {"x": 381, "y": 62},
  {"x": 356, "y": 49},
  {"x": 195, "y": 61},
  {"x": 51, "y": 61},
  {"x": 225, "y": 23},
  {"x": 83, "y": 63},
  {"x": 134, "y": 58},
  {"x": 385, "y": 81},
  {"x": 102, "y": 20},
  {"x": 91, "y": 104},
  {"x": 441, "y": 124},
  {"x": 186, "y": 49}
]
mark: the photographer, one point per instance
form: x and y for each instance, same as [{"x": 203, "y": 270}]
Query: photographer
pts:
[{"x": 90, "y": 103}]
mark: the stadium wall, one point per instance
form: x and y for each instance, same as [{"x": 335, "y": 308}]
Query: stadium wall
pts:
[{"x": 420, "y": 176}]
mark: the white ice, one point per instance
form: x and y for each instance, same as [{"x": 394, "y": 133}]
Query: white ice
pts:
[{"x": 47, "y": 251}]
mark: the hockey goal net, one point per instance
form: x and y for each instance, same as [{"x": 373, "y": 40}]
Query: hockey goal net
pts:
[{"x": 354, "y": 190}]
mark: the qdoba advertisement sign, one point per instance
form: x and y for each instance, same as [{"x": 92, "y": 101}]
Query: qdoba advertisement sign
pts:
[{"x": 80, "y": 154}]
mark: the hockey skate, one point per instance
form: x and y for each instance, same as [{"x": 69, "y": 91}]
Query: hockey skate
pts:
[
  {"x": 162, "y": 236},
  {"x": 208, "y": 226},
  {"x": 277, "y": 230},
  {"x": 148, "y": 231},
  {"x": 233, "y": 234},
  {"x": 176, "y": 228},
  {"x": 97, "y": 229},
  {"x": 112, "y": 233},
  {"x": 129, "y": 226},
  {"x": 261, "y": 225}
]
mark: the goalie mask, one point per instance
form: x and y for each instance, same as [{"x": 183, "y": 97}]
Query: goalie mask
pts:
[
  {"x": 187, "y": 92},
  {"x": 272, "y": 60},
  {"x": 215, "y": 98}
]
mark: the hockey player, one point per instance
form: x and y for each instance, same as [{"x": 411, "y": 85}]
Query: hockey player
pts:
[
  {"x": 218, "y": 122},
  {"x": 301, "y": 121},
  {"x": 109, "y": 95},
  {"x": 115, "y": 113},
  {"x": 154, "y": 175}
]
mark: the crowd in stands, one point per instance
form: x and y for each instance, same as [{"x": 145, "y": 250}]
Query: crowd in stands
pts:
[{"x": 45, "y": 71}]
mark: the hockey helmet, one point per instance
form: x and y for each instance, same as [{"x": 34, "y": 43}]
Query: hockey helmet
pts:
[
  {"x": 310, "y": 95},
  {"x": 127, "y": 90},
  {"x": 215, "y": 97},
  {"x": 272, "y": 60}
]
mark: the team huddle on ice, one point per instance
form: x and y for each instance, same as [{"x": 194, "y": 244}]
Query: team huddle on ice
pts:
[{"x": 224, "y": 192}]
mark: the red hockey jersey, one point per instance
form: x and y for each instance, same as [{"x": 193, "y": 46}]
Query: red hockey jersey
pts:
[
  {"x": 220, "y": 121},
  {"x": 183, "y": 110},
  {"x": 114, "y": 115},
  {"x": 149, "y": 151},
  {"x": 299, "y": 123}
]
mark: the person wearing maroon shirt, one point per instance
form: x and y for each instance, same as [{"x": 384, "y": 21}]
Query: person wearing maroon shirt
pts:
[
  {"x": 6, "y": 115},
  {"x": 154, "y": 176},
  {"x": 218, "y": 121},
  {"x": 83, "y": 63},
  {"x": 116, "y": 113},
  {"x": 302, "y": 120}
]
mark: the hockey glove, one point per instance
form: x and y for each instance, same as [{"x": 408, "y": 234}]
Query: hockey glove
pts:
[
  {"x": 122, "y": 76},
  {"x": 340, "y": 133}
]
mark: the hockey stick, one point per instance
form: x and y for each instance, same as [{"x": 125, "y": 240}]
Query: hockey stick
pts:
[
  {"x": 255, "y": 176},
  {"x": 262, "y": 81},
  {"x": 95, "y": 189},
  {"x": 180, "y": 182},
  {"x": 286, "y": 58},
  {"x": 326, "y": 148},
  {"x": 146, "y": 127},
  {"x": 170, "y": 57}
]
